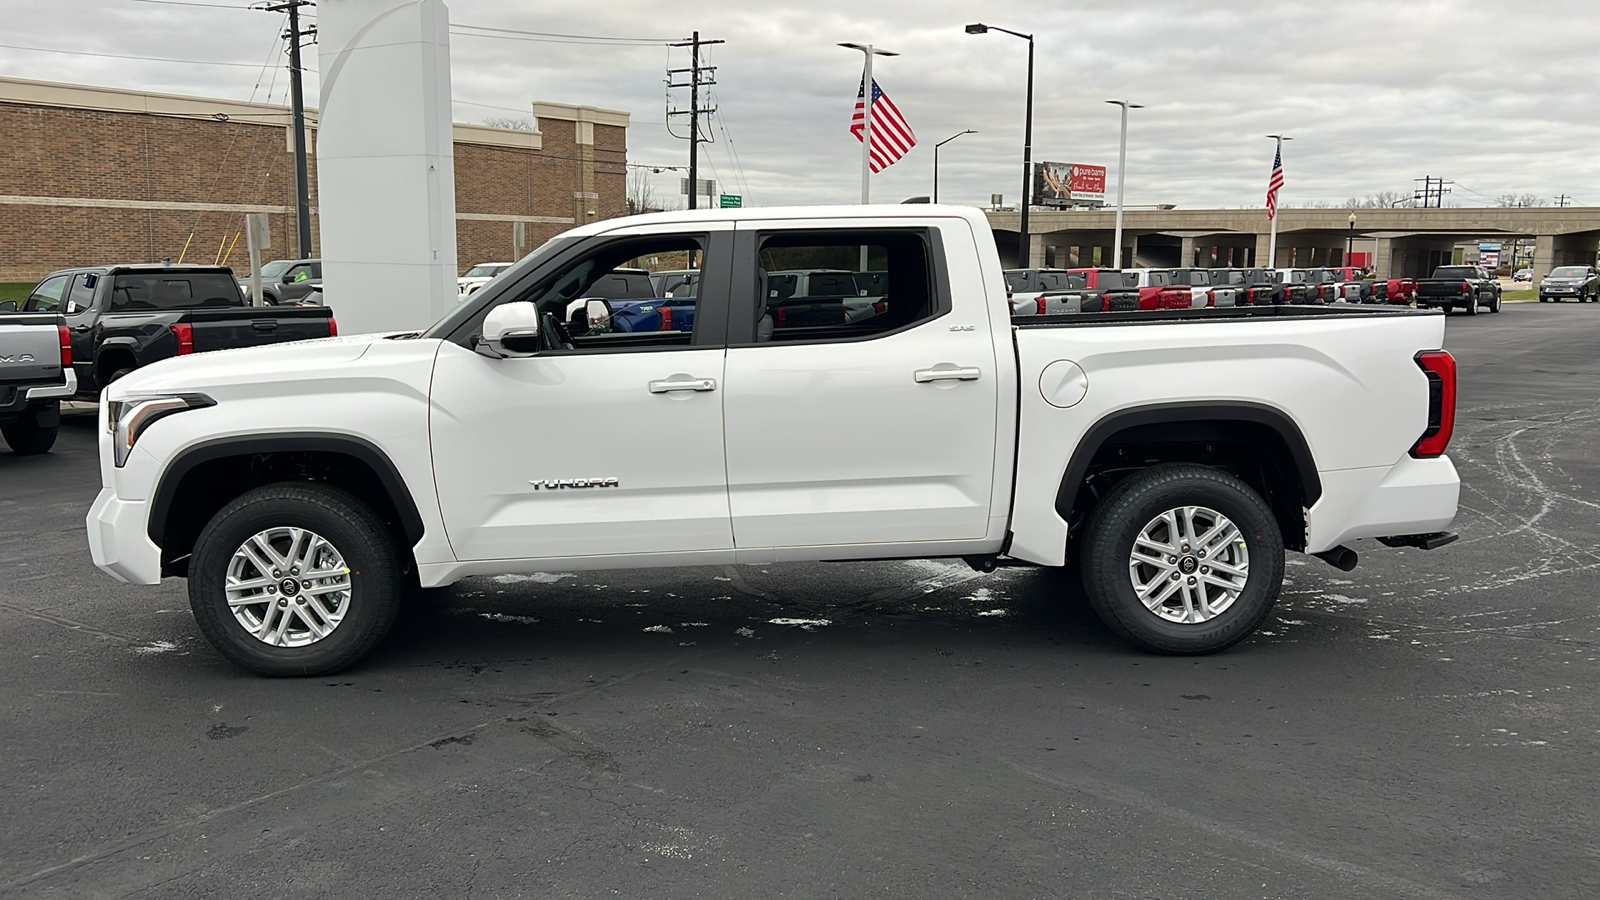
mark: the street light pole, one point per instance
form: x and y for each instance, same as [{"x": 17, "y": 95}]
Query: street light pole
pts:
[
  {"x": 869, "y": 52},
  {"x": 1027, "y": 140},
  {"x": 1272, "y": 241},
  {"x": 1350, "y": 242},
  {"x": 1122, "y": 166},
  {"x": 936, "y": 159}
]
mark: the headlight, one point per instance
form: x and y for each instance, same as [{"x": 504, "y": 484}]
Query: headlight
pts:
[{"x": 127, "y": 419}]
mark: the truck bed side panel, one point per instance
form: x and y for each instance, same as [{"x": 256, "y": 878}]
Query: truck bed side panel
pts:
[{"x": 1348, "y": 381}]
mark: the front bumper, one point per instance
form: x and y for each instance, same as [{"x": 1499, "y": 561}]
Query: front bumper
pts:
[{"x": 118, "y": 543}]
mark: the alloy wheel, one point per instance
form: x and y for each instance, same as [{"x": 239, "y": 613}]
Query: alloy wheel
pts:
[
  {"x": 288, "y": 587},
  {"x": 1189, "y": 564}
]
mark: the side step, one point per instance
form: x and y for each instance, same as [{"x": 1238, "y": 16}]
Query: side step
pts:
[{"x": 1430, "y": 541}]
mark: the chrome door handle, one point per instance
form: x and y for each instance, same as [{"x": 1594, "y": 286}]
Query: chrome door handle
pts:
[
  {"x": 970, "y": 373},
  {"x": 692, "y": 384}
]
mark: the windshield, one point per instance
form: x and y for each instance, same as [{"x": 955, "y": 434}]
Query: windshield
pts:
[
  {"x": 1568, "y": 272},
  {"x": 273, "y": 269},
  {"x": 485, "y": 271}
]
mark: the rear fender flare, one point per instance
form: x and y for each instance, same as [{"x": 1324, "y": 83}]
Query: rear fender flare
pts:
[{"x": 1165, "y": 413}]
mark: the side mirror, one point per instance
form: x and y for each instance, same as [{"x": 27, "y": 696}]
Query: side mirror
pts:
[
  {"x": 598, "y": 313},
  {"x": 8, "y": 306},
  {"x": 511, "y": 330}
]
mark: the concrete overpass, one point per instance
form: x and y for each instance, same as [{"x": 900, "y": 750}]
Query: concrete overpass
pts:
[{"x": 1407, "y": 242}]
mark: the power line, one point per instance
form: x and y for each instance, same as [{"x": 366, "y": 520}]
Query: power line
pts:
[
  {"x": 192, "y": 3},
  {"x": 552, "y": 37},
  {"x": 194, "y": 62}
]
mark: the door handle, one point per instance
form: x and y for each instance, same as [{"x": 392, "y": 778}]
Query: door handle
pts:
[
  {"x": 682, "y": 384},
  {"x": 969, "y": 373},
  {"x": 80, "y": 328}
]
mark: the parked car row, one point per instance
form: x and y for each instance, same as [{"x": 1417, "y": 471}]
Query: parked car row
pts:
[
  {"x": 116, "y": 319},
  {"x": 1039, "y": 292}
]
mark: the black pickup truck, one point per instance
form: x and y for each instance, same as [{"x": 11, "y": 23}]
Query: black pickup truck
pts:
[
  {"x": 1460, "y": 287},
  {"x": 123, "y": 317}
]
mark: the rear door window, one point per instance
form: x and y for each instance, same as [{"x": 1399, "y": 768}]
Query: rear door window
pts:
[{"x": 133, "y": 292}]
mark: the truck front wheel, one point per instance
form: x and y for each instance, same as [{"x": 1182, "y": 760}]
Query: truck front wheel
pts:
[
  {"x": 295, "y": 579},
  {"x": 1182, "y": 559}
]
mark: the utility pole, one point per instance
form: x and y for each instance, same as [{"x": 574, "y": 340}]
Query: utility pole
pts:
[
  {"x": 302, "y": 188},
  {"x": 696, "y": 81},
  {"x": 1561, "y": 200},
  {"x": 1432, "y": 191}
]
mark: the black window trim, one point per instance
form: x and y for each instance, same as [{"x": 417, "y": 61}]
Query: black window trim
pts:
[
  {"x": 742, "y": 300},
  {"x": 711, "y": 306}
]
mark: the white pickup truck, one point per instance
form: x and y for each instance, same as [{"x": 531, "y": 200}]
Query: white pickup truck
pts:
[{"x": 1173, "y": 455}]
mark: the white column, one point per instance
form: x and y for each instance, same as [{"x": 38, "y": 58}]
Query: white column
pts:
[{"x": 386, "y": 163}]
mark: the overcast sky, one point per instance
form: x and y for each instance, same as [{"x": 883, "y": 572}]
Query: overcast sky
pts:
[{"x": 1499, "y": 97}]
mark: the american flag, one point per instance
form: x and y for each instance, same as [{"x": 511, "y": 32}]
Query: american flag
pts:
[
  {"x": 1274, "y": 182},
  {"x": 891, "y": 136}
]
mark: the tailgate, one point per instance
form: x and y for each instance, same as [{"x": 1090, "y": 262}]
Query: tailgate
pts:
[
  {"x": 1440, "y": 288},
  {"x": 30, "y": 352},
  {"x": 224, "y": 329}
]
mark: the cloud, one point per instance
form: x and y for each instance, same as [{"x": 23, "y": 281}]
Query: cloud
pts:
[{"x": 1494, "y": 97}]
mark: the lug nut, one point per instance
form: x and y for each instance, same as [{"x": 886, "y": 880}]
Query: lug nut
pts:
[
  {"x": 1191, "y": 579},
  {"x": 1176, "y": 576},
  {"x": 1205, "y": 570},
  {"x": 295, "y": 570},
  {"x": 300, "y": 600},
  {"x": 276, "y": 574},
  {"x": 1172, "y": 559},
  {"x": 283, "y": 604},
  {"x": 272, "y": 589},
  {"x": 1202, "y": 554},
  {"x": 306, "y": 584}
]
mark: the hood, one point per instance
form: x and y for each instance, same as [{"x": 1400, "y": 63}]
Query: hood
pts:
[{"x": 274, "y": 362}]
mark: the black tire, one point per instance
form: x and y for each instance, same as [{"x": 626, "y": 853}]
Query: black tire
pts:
[
  {"x": 1494, "y": 305},
  {"x": 377, "y": 583},
  {"x": 1471, "y": 308},
  {"x": 117, "y": 373},
  {"x": 1543, "y": 299},
  {"x": 1109, "y": 541},
  {"x": 25, "y": 437}
]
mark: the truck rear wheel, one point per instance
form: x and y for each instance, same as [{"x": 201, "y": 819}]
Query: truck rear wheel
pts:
[
  {"x": 1182, "y": 559},
  {"x": 1471, "y": 308},
  {"x": 295, "y": 579},
  {"x": 26, "y": 437}
]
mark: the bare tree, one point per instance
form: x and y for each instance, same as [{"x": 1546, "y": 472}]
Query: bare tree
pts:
[
  {"x": 642, "y": 195},
  {"x": 511, "y": 122},
  {"x": 1380, "y": 200}
]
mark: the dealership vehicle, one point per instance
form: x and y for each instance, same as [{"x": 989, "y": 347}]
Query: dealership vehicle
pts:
[
  {"x": 803, "y": 297},
  {"x": 1300, "y": 285},
  {"x": 1579, "y": 282},
  {"x": 124, "y": 317},
  {"x": 1524, "y": 274},
  {"x": 1460, "y": 287},
  {"x": 1164, "y": 289},
  {"x": 676, "y": 282},
  {"x": 286, "y": 281},
  {"x": 35, "y": 376},
  {"x": 1374, "y": 289},
  {"x": 1223, "y": 291},
  {"x": 1174, "y": 454},
  {"x": 1258, "y": 284},
  {"x": 478, "y": 276}
]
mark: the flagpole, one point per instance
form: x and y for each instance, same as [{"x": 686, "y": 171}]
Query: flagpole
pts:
[
  {"x": 866, "y": 132},
  {"x": 1272, "y": 240}
]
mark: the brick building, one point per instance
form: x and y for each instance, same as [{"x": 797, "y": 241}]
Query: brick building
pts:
[{"x": 95, "y": 175}]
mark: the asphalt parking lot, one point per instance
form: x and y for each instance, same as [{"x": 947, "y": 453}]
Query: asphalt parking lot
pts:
[{"x": 1426, "y": 726}]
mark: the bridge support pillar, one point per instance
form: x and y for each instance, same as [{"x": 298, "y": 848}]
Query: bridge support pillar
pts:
[{"x": 1186, "y": 253}]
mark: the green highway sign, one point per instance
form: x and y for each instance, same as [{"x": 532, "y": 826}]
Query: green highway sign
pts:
[{"x": 732, "y": 200}]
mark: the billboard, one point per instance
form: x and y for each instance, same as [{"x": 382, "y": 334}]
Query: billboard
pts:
[{"x": 1069, "y": 184}]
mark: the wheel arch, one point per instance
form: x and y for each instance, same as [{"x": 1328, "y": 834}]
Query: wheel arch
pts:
[
  {"x": 1190, "y": 422},
  {"x": 232, "y": 465}
]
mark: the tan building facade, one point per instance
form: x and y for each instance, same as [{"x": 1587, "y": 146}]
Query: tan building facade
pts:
[{"x": 95, "y": 175}]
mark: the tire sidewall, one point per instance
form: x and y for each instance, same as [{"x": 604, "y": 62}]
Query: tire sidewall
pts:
[
  {"x": 1109, "y": 544},
  {"x": 339, "y": 518}
]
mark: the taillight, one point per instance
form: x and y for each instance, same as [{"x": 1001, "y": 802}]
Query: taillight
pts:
[
  {"x": 333, "y": 327},
  {"x": 666, "y": 317},
  {"x": 780, "y": 317},
  {"x": 1039, "y": 302},
  {"x": 184, "y": 332},
  {"x": 1211, "y": 298},
  {"x": 66, "y": 345},
  {"x": 1440, "y": 367},
  {"x": 881, "y": 307},
  {"x": 1466, "y": 288}
]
